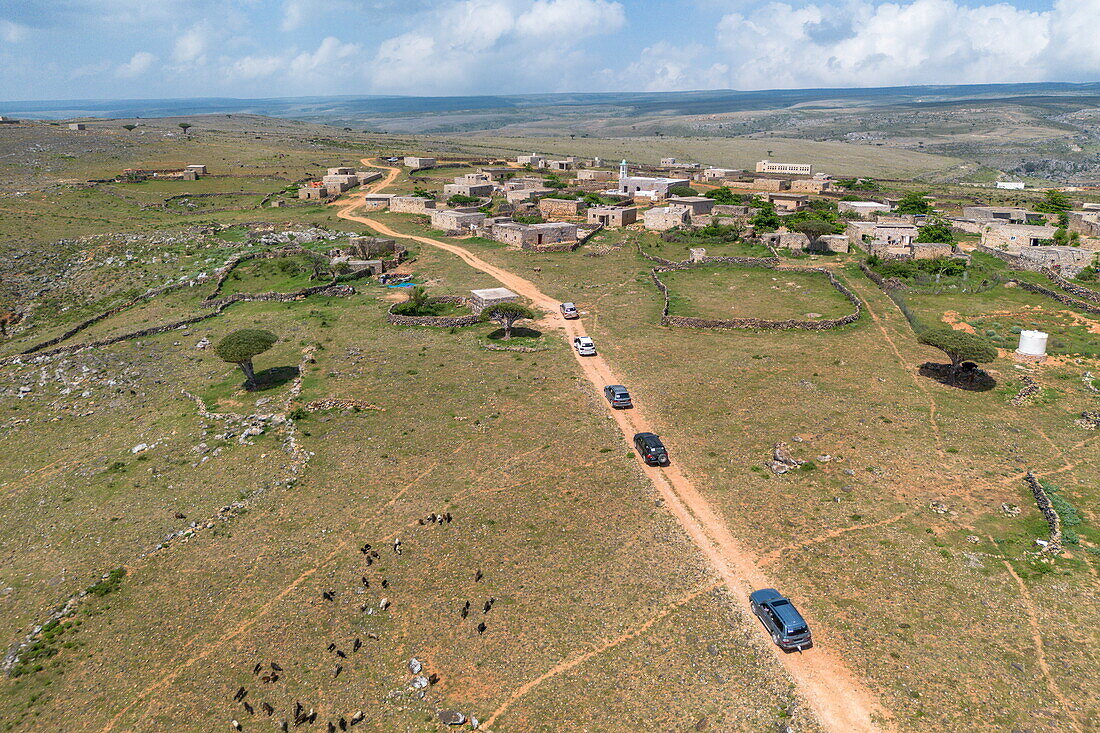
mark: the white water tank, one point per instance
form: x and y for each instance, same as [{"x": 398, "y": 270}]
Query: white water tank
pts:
[{"x": 1032, "y": 343}]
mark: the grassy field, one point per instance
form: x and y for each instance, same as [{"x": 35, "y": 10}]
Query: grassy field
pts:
[
  {"x": 892, "y": 537},
  {"x": 730, "y": 292}
]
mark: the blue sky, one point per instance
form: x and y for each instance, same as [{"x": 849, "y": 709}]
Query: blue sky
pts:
[{"x": 70, "y": 49}]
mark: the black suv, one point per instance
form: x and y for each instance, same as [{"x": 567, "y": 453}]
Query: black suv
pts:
[
  {"x": 617, "y": 395},
  {"x": 651, "y": 448},
  {"x": 782, "y": 620}
]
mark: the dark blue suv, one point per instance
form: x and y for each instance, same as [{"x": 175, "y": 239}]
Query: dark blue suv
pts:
[{"x": 782, "y": 620}]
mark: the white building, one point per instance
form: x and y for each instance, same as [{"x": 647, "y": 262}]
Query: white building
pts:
[
  {"x": 798, "y": 169},
  {"x": 1011, "y": 185},
  {"x": 645, "y": 186}
]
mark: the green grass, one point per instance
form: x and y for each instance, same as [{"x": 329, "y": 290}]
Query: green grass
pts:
[{"x": 741, "y": 292}]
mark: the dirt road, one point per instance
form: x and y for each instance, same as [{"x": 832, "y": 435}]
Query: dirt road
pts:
[{"x": 838, "y": 698}]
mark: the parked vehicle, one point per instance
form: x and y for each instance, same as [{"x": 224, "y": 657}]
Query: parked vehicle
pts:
[
  {"x": 651, "y": 449},
  {"x": 782, "y": 620},
  {"x": 584, "y": 346},
  {"x": 617, "y": 395},
  {"x": 570, "y": 312}
]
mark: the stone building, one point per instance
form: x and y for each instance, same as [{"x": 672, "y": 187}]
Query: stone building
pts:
[
  {"x": 798, "y": 169},
  {"x": 699, "y": 205},
  {"x": 313, "y": 191},
  {"x": 663, "y": 218},
  {"x": 1011, "y": 214},
  {"x": 882, "y": 239},
  {"x": 1086, "y": 223},
  {"x": 789, "y": 202},
  {"x": 717, "y": 174},
  {"x": 590, "y": 174},
  {"x": 419, "y": 163},
  {"x": 1009, "y": 236},
  {"x": 77, "y": 126},
  {"x": 337, "y": 183},
  {"x": 468, "y": 189},
  {"x": 794, "y": 241},
  {"x": 811, "y": 185},
  {"x": 560, "y": 165},
  {"x": 613, "y": 216},
  {"x": 198, "y": 168},
  {"x": 771, "y": 184},
  {"x": 520, "y": 195},
  {"x": 411, "y": 205},
  {"x": 452, "y": 220},
  {"x": 534, "y": 160},
  {"x": 551, "y": 208},
  {"x": 832, "y": 243},
  {"x": 519, "y": 235},
  {"x": 482, "y": 299}
]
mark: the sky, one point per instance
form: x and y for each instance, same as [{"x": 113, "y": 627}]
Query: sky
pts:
[{"x": 140, "y": 49}]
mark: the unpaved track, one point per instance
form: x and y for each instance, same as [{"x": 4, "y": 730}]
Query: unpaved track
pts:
[{"x": 838, "y": 698}]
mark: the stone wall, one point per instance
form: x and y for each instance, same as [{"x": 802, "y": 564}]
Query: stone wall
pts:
[
  {"x": 435, "y": 321},
  {"x": 1060, "y": 297},
  {"x": 1046, "y": 508},
  {"x": 1070, "y": 287},
  {"x": 754, "y": 323},
  {"x": 329, "y": 290}
]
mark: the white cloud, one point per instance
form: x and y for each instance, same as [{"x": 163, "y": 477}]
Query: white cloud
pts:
[
  {"x": 575, "y": 18},
  {"x": 248, "y": 68},
  {"x": 503, "y": 42},
  {"x": 330, "y": 59},
  {"x": 11, "y": 32},
  {"x": 664, "y": 67},
  {"x": 917, "y": 42},
  {"x": 191, "y": 46},
  {"x": 138, "y": 64}
]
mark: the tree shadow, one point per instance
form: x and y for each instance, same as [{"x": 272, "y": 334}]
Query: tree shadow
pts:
[
  {"x": 274, "y": 377},
  {"x": 517, "y": 332},
  {"x": 968, "y": 376}
]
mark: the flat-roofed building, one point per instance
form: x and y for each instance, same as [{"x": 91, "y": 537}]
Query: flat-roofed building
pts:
[
  {"x": 811, "y": 185},
  {"x": 411, "y": 205},
  {"x": 650, "y": 187},
  {"x": 452, "y": 220},
  {"x": 699, "y": 205},
  {"x": 533, "y": 235},
  {"x": 862, "y": 208},
  {"x": 482, "y": 299},
  {"x": 613, "y": 216},
  {"x": 591, "y": 174},
  {"x": 797, "y": 169},
  {"x": 663, "y": 218},
  {"x": 1009, "y": 236},
  {"x": 419, "y": 163},
  {"x": 534, "y": 160},
  {"x": 549, "y": 207},
  {"x": 468, "y": 189},
  {"x": 789, "y": 202}
]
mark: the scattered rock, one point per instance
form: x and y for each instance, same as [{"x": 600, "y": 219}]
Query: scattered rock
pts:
[
  {"x": 1010, "y": 510},
  {"x": 415, "y": 667},
  {"x": 451, "y": 717},
  {"x": 782, "y": 460}
]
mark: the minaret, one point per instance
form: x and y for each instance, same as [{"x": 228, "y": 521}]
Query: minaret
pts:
[{"x": 622, "y": 170}]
